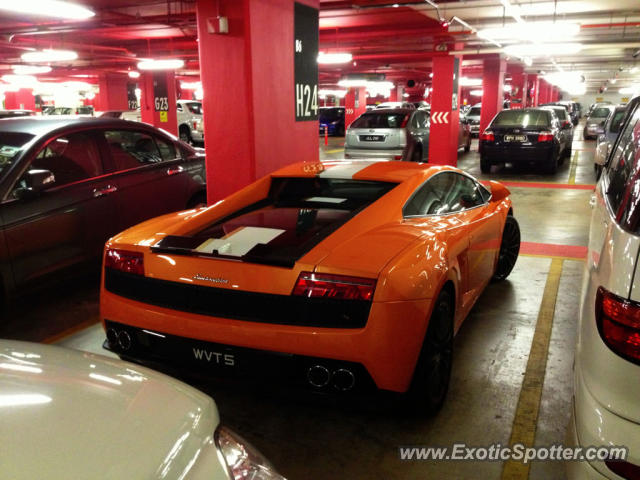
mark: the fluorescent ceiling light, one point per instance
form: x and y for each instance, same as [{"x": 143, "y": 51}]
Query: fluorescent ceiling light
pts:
[
  {"x": 629, "y": 90},
  {"x": 476, "y": 93},
  {"x": 80, "y": 86},
  {"x": 30, "y": 69},
  {"x": 134, "y": 74},
  {"x": 47, "y": 8},
  {"x": 542, "y": 49},
  {"x": 334, "y": 58},
  {"x": 470, "y": 82},
  {"x": 190, "y": 85},
  {"x": 511, "y": 10},
  {"x": 506, "y": 88},
  {"x": 166, "y": 64},
  {"x": 21, "y": 81},
  {"x": 405, "y": 95},
  {"x": 324, "y": 92},
  {"x": 530, "y": 31},
  {"x": 49, "y": 56}
]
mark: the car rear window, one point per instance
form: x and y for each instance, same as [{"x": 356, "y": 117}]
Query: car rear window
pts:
[
  {"x": 523, "y": 118},
  {"x": 195, "y": 108},
  {"x": 600, "y": 112},
  {"x": 331, "y": 114},
  {"x": 475, "y": 111},
  {"x": 11, "y": 144},
  {"x": 561, "y": 113},
  {"x": 380, "y": 120}
]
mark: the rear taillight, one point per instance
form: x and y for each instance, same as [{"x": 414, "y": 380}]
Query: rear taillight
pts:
[
  {"x": 195, "y": 124},
  {"x": 624, "y": 469},
  {"x": 618, "y": 322},
  {"x": 397, "y": 157},
  {"x": 124, "y": 261},
  {"x": 314, "y": 285},
  {"x": 488, "y": 136},
  {"x": 545, "y": 137}
]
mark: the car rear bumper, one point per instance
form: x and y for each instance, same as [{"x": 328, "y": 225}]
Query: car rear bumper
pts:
[
  {"x": 391, "y": 154},
  {"x": 516, "y": 155},
  {"x": 475, "y": 128},
  {"x": 386, "y": 348}
]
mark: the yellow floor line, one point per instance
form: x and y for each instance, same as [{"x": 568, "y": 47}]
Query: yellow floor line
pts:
[
  {"x": 524, "y": 425},
  {"x": 559, "y": 257},
  {"x": 335, "y": 150},
  {"x": 70, "y": 331},
  {"x": 574, "y": 167}
]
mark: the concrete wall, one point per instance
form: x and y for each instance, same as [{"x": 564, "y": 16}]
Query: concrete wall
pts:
[{"x": 586, "y": 100}]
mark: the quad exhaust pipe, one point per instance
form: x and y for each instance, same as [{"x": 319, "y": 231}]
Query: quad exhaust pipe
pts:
[
  {"x": 342, "y": 379},
  {"x": 120, "y": 339}
]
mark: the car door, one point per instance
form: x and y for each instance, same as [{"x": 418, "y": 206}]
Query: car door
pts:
[
  {"x": 148, "y": 172},
  {"x": 68, "y": 222},
  {"x": 419, "y": 130}
]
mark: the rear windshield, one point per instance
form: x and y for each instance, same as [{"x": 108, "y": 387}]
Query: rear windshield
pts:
[
  {"x": 475, "y": 111},
  {"x": 600, "y": 113},
  {"x": 523, "y": 118},
  {"x": 11, "y": 145},
  {"x": 616, "y": 121},
  {"x": 561, "y": 113},
  {"x": 331, "y": 114},
  {"x": 380, "y": 120}
]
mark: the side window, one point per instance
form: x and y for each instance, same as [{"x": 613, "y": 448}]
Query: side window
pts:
[
  {"x": 179, "y": 107},
  {"x": 167, "y": 149},
  {"x": 422, "y": 119},
  {"x": 69, "y": 158},
  {"x": 131, "y": 149},
  {"x": 623, "y": 161},
  {"x": 446, "y": 192},
  {"x": 415, "y": 121}
]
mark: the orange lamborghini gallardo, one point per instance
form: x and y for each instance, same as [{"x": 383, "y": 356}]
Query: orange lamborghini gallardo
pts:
[{"x": 339, "y": 275}]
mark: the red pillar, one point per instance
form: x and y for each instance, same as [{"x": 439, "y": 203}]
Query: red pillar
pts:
[
  {"x": 158, "y": 100},
  {"x": 445, "y": 111},
  {"x": 533, "y": 87},
  {"x": 22, "y": 99},
  {"x": 113, "y": 92},
  {"x": 393, "y": 96},
  {"x": 249, "y": 101},
  {"x": 355, "y": 104},
  {"x": 493, "y": 71},
  {"x": 518, "y": 89}
]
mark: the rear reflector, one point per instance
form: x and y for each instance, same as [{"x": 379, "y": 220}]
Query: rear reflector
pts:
[
  {"x": 334, "y": 286},
  {"x": 618, "y": 322},
  {"x": 487, "y": 136},
  {"x": 624, "y": 469},
  {"x": 545, "y": 137},
  {"x": 124, "y": 261}
]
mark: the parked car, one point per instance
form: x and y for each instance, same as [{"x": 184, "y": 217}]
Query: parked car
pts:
[
  {"x": 422, "y": 104},
  {"x": 566, "y": 128},
  {"x": 605, "y": 409},
  {"x": 72, "y": 414},
  {"x": 473, "y": 119},
  {"x": 84, "y": 110},
  {"x": 16, "y": 113},
  {"x": 608, "y": 137},
  {"x": 595, "y": 122},
  {"x": 398, "y": 134},
  {"x": 597, "y": 105},
  {"x": 395, "y": 105},
  {"x": 190, "y": 121},
  {"x": 320, "y": 273},
  {"x": 531, "y": 136},
  {"x": 333, "y": 119},
  {"x": 69, "y": 183},
  {"x": 573, "y": 110}
]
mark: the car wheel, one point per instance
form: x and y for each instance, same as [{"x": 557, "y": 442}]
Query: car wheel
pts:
[
  {"x": 467, "y": 147},
  {"x": 197, "y": 201},
  {"x": 485, "y": 165},
  {"x": 185, "y": 135},
  {"x": 432, "y": 374},
  {"x": 509, "y": 249},
  {"x": 552, "y": 165},
  {"x": 416, "y": 156}
]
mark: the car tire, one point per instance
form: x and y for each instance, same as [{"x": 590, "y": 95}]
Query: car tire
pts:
[
  {"x": 552, "y": 164},
  {"x": 185, "y": 135},
  {"x": 431, "y": 377},
  {"x": 485, "y": 165},
  {"x": 509, "y": 249},
  {"x": 197, "y": 201},
  {"x": 416, "y": 155}
]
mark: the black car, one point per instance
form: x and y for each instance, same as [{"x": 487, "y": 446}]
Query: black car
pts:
[
  {"x": 68, "y": 184},
  {"x": 15, "y": 113},
  {"x": 566, "y": 128},
  {"x": 333, "y": 119},
  {"x": 523, "y": 136}
]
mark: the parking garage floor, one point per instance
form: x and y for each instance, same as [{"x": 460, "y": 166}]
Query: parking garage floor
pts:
[{"x": 505, "y": 387}]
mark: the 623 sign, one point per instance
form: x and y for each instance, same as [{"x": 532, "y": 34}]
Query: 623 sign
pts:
[{"x": 161, "y": 104}]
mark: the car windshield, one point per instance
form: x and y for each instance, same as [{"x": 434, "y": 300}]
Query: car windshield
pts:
[
  {"x": 474, "y": 112},
  {"x": 330, "y": 114},
  {"x": 380, "y": 120},
  {"x": 195, "y": 108},
  {"x": 523, "y": 118},
  {"x": 600, "y": 113},
  {"x": 11, "y": 145},
  {"x": 616, "y": 121}
]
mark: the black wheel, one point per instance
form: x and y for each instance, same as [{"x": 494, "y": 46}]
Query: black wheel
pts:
[
  {"x": 416, "y": 156},
  {"x": 509, "y": 249},
  {"x": 485, "y": 165},
  {"x": 467, "y": 147},
  {"x": 185, "y": 135},
  {"x": 197, "y": 201},
  {"x": 552, "y": 165},
  {"x": 432, "y": 374}
]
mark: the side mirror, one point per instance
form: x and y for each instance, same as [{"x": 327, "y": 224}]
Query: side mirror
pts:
[
  {"x": 602, "y": 153},
  {"x": 498, "y": 191},
  {"x": 38, "y": 180}
]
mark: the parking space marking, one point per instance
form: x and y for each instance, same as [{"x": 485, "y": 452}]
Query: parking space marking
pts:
[
  {"x": 525, "y": 421},
  {"x": 336, "y": 150},
  {"x": 575, "y": 252},
  {"x": 70, "y": 331},
  {"x": 574, "y": 167}
]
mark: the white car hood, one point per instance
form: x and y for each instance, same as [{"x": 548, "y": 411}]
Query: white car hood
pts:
[{"x": 69, "y": 414}]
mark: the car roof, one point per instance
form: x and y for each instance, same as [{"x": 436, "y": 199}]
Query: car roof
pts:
[
  {"x": 41, "y": 125},
  {"x": 391, "y": 110}
]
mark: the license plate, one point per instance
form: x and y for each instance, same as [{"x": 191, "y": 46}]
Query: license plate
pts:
[
  {"x": 214, "y": 357},
  {"x": 371, "y": 138},
  {"x": 515, "y": 138}
]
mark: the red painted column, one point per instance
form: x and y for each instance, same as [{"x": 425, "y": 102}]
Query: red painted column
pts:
[
  {"x": 113, "y": 92},
  {"x": 533, "y": 86},
  {"x": 493, "y": 71},
  {"x": 249, "y": 104},
  {"x": 518, "y": 90},
  {"x": 355, "y": 104},
  {"x": 158, "y": 99},
  {"x": 393, "y": 96},
  {"x": 22, "y": 99},
  {"x": 445, "y": 111}
]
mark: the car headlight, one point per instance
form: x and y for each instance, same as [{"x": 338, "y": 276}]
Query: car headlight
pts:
[{"x": 243, "y": 460}]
